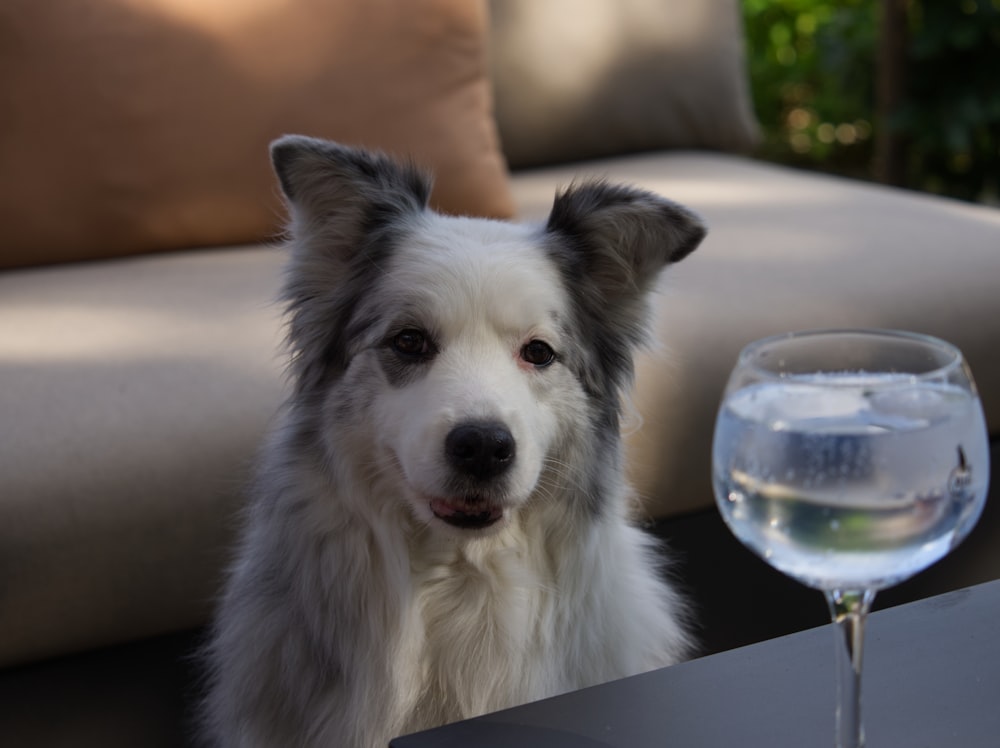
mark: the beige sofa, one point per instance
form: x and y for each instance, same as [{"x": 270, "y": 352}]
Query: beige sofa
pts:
[{"x": 140, "y": 341}]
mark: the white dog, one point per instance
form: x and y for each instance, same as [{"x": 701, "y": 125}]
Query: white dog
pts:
[{"x": 440, "y": 525}]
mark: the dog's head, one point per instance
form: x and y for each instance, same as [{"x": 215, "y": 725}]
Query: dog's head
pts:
[{"x": 466, "y": 365}]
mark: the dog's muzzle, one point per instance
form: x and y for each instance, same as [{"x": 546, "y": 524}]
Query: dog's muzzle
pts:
[{"x": 479, "y": 453}]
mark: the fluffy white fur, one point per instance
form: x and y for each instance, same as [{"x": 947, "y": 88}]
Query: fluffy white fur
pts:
[{"x": 377, "y": 589}]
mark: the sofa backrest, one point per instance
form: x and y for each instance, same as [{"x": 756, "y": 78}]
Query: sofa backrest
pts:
[{"x": 576, "y": 79}]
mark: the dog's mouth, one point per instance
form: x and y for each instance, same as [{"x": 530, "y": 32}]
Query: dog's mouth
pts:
[{"x": 467, "y": 513}]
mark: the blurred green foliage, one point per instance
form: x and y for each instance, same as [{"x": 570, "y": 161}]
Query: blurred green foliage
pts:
[{"x": 813, "y": 73}]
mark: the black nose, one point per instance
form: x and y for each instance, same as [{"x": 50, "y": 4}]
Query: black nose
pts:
[{"x": 480, "y": 450}]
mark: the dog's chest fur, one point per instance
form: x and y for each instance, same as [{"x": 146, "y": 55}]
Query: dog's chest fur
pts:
[{"x": 477, "y": 638}]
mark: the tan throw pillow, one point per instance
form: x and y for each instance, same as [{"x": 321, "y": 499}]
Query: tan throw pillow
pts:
[
  {"x": 587, "y": 78},
  {"x": 141, "y": 125}
]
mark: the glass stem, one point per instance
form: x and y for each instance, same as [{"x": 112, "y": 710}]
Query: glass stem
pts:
[{"x": 849, "y": 609}]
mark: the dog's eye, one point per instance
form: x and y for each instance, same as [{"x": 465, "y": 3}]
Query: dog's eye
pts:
[
  {"x": 538, "y": 353},
  {"x": 412, "y": 344}
]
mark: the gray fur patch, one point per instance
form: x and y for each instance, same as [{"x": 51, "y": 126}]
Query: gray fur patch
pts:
[
  {"x": 349, "y": 208},
  {"x": 398, "y": 371},
  {"x": 610, "y": 243}
]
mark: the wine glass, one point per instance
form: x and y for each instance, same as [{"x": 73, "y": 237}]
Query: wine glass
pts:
[{"x": 850, "y": 460}]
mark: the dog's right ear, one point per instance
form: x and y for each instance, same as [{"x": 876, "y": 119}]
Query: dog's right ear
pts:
[
  {"x": 326, "y": 182},
  {"x": 345, "y": 204}
]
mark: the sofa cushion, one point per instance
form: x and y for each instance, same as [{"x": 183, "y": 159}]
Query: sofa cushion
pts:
[
  {"x": 132, "y": 126},
  {"x": 134, "y": 395},
  {"x": 580, "y": 79}
]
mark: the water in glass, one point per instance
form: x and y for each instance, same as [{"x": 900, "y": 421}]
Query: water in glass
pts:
[{"x": 859, "y": 485}]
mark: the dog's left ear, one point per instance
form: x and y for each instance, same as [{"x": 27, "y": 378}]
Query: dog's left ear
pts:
[{"x": 622, "y": 237}]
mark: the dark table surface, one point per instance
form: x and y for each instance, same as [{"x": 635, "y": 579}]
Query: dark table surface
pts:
[{"x": 931, "y": 679}]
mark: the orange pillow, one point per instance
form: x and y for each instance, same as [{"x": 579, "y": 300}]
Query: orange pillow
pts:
[{"x": 142, "y": 125}]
